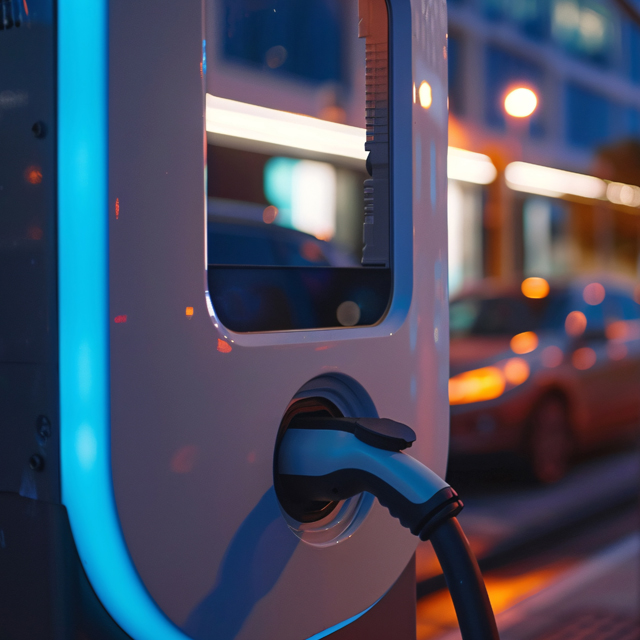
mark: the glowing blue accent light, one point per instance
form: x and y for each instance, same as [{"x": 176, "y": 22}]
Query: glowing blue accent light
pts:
[
  {"x": 204, "y": 57},
  {"x": 83, "y": 273},
  {"x": 341, "y": 625},
  {"x": 87, "y": 490}
]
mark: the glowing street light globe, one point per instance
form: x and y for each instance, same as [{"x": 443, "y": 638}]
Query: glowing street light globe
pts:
[{"x": 520, "y": 103}]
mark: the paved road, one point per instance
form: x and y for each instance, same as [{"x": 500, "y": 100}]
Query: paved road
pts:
[{"x": 557, "y": 560}]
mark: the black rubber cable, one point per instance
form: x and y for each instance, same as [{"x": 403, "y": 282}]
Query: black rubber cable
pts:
[{"x": 463, "y": 577}]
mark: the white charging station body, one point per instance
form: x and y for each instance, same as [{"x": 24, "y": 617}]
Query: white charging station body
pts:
[{"x": 169, "y": 420}]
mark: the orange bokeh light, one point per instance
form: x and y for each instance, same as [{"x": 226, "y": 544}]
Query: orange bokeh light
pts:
[
  {"x": 552, "y": 357},
  {"x": 189, "y": 312},
  {"x": 524, "y": 342},
  {"x": 617, "y": 330},
  {"x": 33, "y": 175},
  {"x": 520, "y": 102},
  {"x": 594, "y": 294},
  {"x": 224, "y": 347},
  {"x": 575, "y": 324},
  {"x": 535, "y": 288},
  {"x": 475, "y": 386},
  {"x": 516, "y": 371},
  {"x": 621, "y": 330},
  {"x": 584, "y": 358}
]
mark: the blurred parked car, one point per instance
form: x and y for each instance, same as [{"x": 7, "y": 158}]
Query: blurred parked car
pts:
[
  {"x": 543, "y": 371},
  {"x": 265, "y": 277},
  {"x": 244, "y": 242}
]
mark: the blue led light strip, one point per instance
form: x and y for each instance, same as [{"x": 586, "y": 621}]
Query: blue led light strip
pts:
[
  {"x": 87, "y": 488},
  {"x": 84, "y": 321}
]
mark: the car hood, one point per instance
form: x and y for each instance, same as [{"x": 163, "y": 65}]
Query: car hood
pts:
[{"x": 470, "y": 353}]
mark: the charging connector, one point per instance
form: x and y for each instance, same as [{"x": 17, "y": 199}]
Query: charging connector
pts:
[{"x": 326, "y": 459}]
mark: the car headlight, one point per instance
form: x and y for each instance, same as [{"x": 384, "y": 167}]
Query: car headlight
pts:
[{"x": 488, "y": 383}]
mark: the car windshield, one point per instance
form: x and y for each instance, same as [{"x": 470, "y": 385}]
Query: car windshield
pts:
[{"x": 506, "y": 315}]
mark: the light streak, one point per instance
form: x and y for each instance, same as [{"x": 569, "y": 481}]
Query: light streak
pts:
[{"x": 259, "y": 124}]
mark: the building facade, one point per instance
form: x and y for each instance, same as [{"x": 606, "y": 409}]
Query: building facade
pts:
[{"x": 582, "y": 60}]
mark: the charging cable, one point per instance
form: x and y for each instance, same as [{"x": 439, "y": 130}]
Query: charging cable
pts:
[{"x": 320, "y": 461}]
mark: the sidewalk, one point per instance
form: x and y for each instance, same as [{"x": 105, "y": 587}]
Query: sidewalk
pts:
[{"x": 599, "y": 599}]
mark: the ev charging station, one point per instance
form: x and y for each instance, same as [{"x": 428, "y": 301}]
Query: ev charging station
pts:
[{"x": 159, "y": 459}]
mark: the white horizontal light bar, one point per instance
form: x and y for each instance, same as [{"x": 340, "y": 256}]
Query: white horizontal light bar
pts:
[
  {"x": 468, "y": 166},
  {"x": 251, "y": 122},
  {"x": 533, "y": 178}
]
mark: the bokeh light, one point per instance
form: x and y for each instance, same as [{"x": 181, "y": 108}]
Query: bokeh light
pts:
[
  {"x": 426, "y": 96},
  {"x": 594, "y": 294},
  {"x": 224, "y": 347},
  {"x": 575, "y": 324},
  {"x": 524, "y": 342},
  {"x": 516, "y": 371},
  {"x": 33, "y": 175},
  {"x": 348, "y": 314},
  {"x": 520, "y": 103},
  {"x": 535, "y": 288},
  {"x": 476, "y": 386},
  {"x": 552, "y": 357},
  {"x": 270, "y": 214},
  {"x": 584, "y": 358}
]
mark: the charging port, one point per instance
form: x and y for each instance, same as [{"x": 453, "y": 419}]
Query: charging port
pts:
[{"x": 293, "y": 502}]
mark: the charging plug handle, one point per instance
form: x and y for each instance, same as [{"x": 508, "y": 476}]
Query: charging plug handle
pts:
[{"x": 327, "y": 459}]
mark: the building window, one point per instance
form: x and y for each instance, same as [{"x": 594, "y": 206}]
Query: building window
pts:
[
  {"x": 456, "y": 75},
  {"x": 633, "y": 122},
  {"x": 634, "y": 52},
  {"x": 588, "y": 117},
  {"x": 529, "y": 16},
  {"x": 504, "y": 72},
  {"x": 302, "y": 39}
]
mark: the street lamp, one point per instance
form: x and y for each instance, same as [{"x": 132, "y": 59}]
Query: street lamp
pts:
[{"x": 520, "y": 102}]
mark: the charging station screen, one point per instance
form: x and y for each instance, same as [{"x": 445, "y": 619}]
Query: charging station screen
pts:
[{"x": 297, "y": 161}]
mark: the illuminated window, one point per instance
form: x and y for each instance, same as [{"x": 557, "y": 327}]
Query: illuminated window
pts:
[{"x": 584, "y": 28}]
